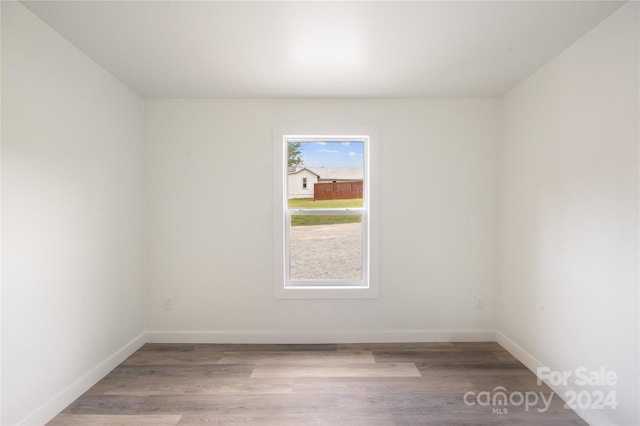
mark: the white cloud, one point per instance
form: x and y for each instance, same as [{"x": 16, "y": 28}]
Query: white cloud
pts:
[
  {"x": 328, "y": 150},
  {"x": 346, "y": 143},
  {"x": 352, "y": 154}
]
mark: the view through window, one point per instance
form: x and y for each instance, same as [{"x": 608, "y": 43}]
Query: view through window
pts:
[{"x": 326, "y": 211}]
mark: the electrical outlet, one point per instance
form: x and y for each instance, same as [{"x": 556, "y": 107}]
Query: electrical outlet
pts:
[
  {"x": 479, "y": 302},
  {"x": 167, "y": 303}
]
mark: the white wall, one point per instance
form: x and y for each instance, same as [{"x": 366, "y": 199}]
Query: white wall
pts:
[
  {"x": 569, "y": 212},
  {"x": 72, "y": 293},
  {"x": 212, "y": 251}
]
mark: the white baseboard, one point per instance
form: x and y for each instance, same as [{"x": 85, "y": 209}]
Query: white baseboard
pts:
[
  {"x": 592, "y": 417},
  {"x": 293, "y": 337},
  {"x": 59, "y": 402}
]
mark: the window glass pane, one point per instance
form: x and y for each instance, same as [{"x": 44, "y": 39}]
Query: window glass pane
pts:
[
  {"x": 325, "y": 174},
  {"x": 326, "y": 247}
]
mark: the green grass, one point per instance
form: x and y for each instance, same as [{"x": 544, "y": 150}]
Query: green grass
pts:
[
  {"x": 308, "y": 203},
  {"x": 308, "y": 220}
]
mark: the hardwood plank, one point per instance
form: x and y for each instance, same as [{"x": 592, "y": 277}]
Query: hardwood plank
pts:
[
  {"x": 478, "y": 346},
  {"x": 167, "y": 357},
  {"x": 232, "y": 347},
  {"x": 485, "y": 419},
  {"x": 264, "y": 405},
  {"x": 168, "y": 347},
  {"x": 445, "y": 358},
  {"x": 440, "y": 346},
  {"x": 215, "y": 386},
  {"x": 479, "y": 369},
  {"x": 521, "y": 382},
  {"x": 346, "y": 370},
  {"x": 504, "y": 356},
  {"x": 423, "y": 346},
  {"x": 298, "y": 357},
  {"x": 196, "y": 404},
  {"x": 113, "y": 420},
  {"x": 367, "y": 385},
  {"x": 327, "y": 418},
  {"x": 183, "y": 371}
]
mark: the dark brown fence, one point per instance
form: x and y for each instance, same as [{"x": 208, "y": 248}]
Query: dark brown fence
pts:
[{"x": 337, "y": 190}]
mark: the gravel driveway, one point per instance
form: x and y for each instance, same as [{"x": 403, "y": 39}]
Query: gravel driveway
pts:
[{"x": 326, "y": 251}]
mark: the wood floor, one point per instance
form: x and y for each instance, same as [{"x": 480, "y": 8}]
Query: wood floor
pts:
[{"x": 282, "y": 385}]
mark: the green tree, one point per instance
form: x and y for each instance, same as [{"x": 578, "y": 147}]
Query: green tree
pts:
[{"x": 295, "y": 152}]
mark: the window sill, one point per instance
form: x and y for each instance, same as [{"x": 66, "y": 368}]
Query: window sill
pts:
[{"x": 326, "y": 292}]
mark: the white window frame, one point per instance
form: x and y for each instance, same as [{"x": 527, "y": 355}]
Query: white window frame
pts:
[{"x": 368, "y": 286}]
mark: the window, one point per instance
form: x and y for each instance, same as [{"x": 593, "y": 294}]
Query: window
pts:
[{"x": 324, "y": 238}]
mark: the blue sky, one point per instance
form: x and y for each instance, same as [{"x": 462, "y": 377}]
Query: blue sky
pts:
[{"x": 333, "y": 154}]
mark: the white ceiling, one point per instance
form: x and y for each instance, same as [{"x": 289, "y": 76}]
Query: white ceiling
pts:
[{"x": 321, "y": 49}]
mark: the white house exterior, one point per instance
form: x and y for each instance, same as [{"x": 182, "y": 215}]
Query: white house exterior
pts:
[
  {"x": 300, "y": 183},
  {"x": 301, "y": 179}
]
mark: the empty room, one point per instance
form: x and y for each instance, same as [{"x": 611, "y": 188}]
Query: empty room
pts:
[{"x": 324, "y": 213}]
